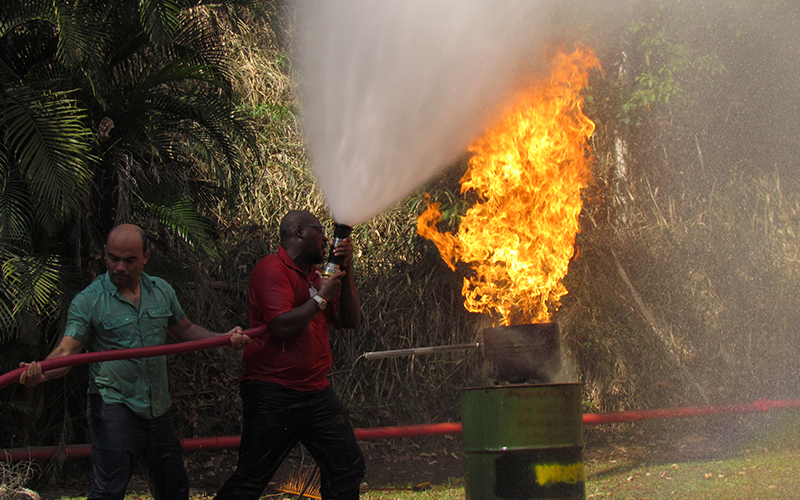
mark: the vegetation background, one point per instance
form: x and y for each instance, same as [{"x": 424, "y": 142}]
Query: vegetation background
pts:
[{"x": 684, "y": 287}]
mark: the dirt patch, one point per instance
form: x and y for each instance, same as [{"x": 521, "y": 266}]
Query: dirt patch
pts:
[
  {"x": 406, "y": 462},
  {"x": 399, "y": 463}
]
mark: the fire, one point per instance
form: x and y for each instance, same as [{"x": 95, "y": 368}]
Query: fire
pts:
[{"x": 527, "y": 172}]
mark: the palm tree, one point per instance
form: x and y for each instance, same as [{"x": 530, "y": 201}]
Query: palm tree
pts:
[
  {"x": 110, "y": 111},
  {"x": 45, "y": 173}
]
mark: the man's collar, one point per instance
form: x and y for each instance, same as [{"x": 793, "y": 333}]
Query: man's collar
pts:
[
  {"x": 145, "y": 282},
  {"x": 287, "y": 259}
]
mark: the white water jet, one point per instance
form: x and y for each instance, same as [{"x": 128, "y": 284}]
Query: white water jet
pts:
[{"x": 392, "y": 91}]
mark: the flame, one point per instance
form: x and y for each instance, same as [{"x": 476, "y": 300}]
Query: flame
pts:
[{"x": 528, "y": 172}]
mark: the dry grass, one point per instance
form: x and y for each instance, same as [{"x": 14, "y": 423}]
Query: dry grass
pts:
[
  {"x": 674, "y": 297},
  {"x": 409, "y": 297},
  {"x": 13, "y": 479},
  {"x": 689, "y": 296}
]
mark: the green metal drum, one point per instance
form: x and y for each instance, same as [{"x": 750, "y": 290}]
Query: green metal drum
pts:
[{"x": 523, "y": 442}]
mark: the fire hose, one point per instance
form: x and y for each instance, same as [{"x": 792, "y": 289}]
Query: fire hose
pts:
[
  {"x": 225, "y": 442},
  {"x": 136, "y": 352},
  {"x": 449, "y": 428},
  {"x": 363, "y": 434}
]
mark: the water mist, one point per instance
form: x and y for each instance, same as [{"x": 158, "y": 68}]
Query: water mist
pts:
[{"x": 393, "y": 91}]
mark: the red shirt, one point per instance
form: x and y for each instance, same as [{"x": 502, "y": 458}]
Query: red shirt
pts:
[{"x": 301, "y": 363}]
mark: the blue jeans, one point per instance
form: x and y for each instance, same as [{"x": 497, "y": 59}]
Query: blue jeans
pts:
[
  {"x": 120, "y": 438},
  {"x": 275, "y": 419}
]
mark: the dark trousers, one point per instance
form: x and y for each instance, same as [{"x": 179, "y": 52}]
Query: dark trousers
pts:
[
  {"x": 120, "y": 438},
  {"x": 275, "y": 419}
]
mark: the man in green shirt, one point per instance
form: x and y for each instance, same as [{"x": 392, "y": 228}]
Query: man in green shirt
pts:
[{"x": 128, "y": 402}]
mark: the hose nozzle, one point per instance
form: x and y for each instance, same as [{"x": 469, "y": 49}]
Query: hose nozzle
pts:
[{"x": 334, "y": 263}]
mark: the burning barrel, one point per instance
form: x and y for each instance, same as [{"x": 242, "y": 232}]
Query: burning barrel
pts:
[
  {"x": 523, "y": 440},
  {"x": 522, "y": 437}
]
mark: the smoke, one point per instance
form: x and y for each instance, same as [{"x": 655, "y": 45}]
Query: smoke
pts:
[{"x": 393, "y": 91}]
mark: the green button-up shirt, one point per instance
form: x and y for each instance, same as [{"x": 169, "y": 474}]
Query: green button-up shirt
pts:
[{"x": 102, "y": 319}]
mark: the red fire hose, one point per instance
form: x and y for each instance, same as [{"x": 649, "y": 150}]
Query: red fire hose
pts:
[
  {"x": 222, "y": 442},
  {"x": 760, "y": 406},
  {"x": 137, "y": 352},
  {"x": 376, "y": 433}
]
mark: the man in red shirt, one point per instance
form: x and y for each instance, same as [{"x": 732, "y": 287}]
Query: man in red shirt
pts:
[{"x": 287, "y": 397}]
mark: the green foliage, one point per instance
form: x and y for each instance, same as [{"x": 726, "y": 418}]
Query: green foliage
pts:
[
  {"x": 44, "y": 179},
  {"x": 687, "y": 249},
  {"x": 47, "y": 142},
  {"x": 181, "y": 215},
  {"x": 110, "y": 111},
  {"x": 101, "y": 125},
  {"x": 668, "y": 63}
]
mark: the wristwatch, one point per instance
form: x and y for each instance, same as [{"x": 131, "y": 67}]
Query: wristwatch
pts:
[{"x": 321, "y": 303}]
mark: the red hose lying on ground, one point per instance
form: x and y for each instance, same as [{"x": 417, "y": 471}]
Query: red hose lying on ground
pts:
[
  {"x": 762, "y": 406},
  {"x": 375, "y": 433},
  {"x": 222, "y": 442},
  {"x": 138, "y": 352}
]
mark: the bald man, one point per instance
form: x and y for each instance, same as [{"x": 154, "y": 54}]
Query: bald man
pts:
[{"x": 128, "y": 402}]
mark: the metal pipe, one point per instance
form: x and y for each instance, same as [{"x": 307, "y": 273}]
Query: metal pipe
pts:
[{"x": 419, "y": 350}]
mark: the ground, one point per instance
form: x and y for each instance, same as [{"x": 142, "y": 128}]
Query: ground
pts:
[
  {"x": 398, "y": 463},
  {"x": 610, "y": 450}
]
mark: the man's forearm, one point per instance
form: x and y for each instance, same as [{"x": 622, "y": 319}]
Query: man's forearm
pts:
[
  {"x": 292, "y": 323},
  {"x": 34, "y": 375},
  {"x": 349, "y": 303},
  {"x": 56, "y": 372},
  {"x": 197, "y": 332}
]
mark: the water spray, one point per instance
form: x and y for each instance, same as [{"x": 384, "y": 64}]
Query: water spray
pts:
[{"x": 334, "y": 263}]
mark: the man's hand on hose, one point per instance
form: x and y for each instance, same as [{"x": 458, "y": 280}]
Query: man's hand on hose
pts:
[
  {"x": 238, "y": 340},
  {"x": 33, "y": 376}
]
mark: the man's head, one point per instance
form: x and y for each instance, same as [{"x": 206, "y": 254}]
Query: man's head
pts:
[
  {"x": 126, "y": 254},
  {"x": 303, "y": 237}
]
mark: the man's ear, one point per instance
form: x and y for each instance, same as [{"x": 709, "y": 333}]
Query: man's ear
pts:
[{"x": 146, "y": 256}]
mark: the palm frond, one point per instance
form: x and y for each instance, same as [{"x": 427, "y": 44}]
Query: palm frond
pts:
[
  {"x": 160, "y": 20},
  {"x": 31, "y": 288},
  {"x": 182, "y": 218},
  {"x": 48, "y": 142},
  {"x": 15, "y": 212},
  {"x": 15, "y": 14},
  {"x": 81, "y": 32},
  {"x": 179, "y": 70}
]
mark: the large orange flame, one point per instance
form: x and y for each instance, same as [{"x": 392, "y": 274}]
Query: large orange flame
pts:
[{"x": 528, "y": 172}]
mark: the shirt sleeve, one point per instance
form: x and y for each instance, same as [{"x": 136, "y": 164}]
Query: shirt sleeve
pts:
[
  {"x": 79, "y": 319},
  {"x": 271, "y": 292}
]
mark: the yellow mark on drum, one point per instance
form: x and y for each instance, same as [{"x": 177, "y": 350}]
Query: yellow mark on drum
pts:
[{"x": 547, "y": 474}]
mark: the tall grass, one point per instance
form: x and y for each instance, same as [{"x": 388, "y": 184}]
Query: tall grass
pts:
[{"x": 675, "y": 297}]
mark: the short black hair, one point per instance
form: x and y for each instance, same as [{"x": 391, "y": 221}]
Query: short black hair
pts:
[{"x": 293, "y": 219}]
